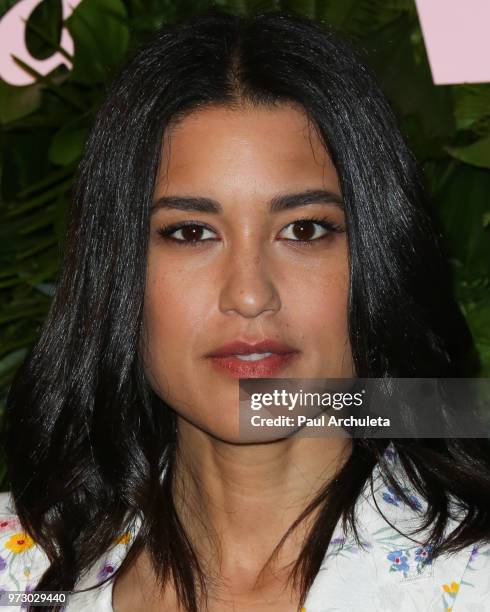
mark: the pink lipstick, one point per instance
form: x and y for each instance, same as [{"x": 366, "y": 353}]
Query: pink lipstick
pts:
[{"x": 264, "y": 359}]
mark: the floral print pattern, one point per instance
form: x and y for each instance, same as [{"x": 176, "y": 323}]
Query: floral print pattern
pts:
[
  {"x": 401, "y": 560},
  {"x": 391, "y": 497},
  {"x": 389, "y": 568},
  {"x": 106, "y": 570},
  {"x": 423, "y": 555},
  {"x": 19, "y": 542}
]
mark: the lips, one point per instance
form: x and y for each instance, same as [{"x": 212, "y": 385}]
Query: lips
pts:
[{"x": 265, "y": 358}]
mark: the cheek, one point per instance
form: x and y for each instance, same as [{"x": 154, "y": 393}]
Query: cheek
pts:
[
  {"x": 324, "y": 312},
  {"x": 321, "y": 307},
  {"x": 174, "y": 308},
  {"x": 321, "y": 298},
  {"x": 168, "y": 317},
  {"x": 332, "y": 303}
]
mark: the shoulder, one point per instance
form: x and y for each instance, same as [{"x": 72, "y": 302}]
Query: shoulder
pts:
[
  {"x": 472, "y": 590},
  {"x": 392, "y": 569},
  {"x": 453, "y": 582},
  {"x": 22, "y": 561}
]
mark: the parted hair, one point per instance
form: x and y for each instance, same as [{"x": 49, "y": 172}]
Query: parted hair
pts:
[{"x": 96, "y": 438}]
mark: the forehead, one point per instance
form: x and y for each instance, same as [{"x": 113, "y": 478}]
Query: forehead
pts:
[{"x": 251, "y": 143}]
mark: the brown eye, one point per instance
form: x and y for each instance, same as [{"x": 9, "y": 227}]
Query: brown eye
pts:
[
  {"x": 304, "y": 230},
  {"x": 186, "y": 233},
  {"x": 190, "y": 233},
  {"x": 307, "y": 230}
]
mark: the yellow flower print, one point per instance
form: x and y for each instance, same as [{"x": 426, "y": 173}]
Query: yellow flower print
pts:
[
  {"x": 19, "y": 542},
  {"x": 124, "y": 538},
  {"x": 27, "y": 571},
  {"x": 451, "y": 588},
  {"x": 303, "y": 609}
]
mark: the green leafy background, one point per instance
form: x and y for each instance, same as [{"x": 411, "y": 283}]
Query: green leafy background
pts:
[{"x": 43, "y": 128}]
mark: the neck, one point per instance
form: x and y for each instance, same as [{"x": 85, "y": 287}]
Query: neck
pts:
[{"x": 238, "y": 500}]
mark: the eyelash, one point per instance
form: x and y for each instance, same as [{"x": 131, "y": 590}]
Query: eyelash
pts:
[{"x": 166, "y": 231}]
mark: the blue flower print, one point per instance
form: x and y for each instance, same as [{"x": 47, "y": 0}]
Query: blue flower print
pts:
[
  {"x": 399, "y": 561},
  {"x": 390, "y": 496},
  {"x": 423, "y": 555},
  {"x": 338, "y": 541},
  {"x": 414, "y": 501}
]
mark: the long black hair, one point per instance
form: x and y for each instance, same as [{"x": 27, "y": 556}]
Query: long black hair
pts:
[{"x": 95, "y": 437}]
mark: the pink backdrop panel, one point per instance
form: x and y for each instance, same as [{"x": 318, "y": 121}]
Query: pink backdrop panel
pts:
[
  {"x": 13, "y": 43},
  {"x": 456, "y": 35}
]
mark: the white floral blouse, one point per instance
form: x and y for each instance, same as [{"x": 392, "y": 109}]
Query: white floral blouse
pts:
[{"x": 389, "y": 573}]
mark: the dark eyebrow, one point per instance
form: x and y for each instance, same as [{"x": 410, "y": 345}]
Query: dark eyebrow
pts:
[
  {"x": 276, "y": 204},
  {"x": 311, "y": 196}
]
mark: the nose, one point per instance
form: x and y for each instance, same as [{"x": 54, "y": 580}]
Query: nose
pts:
[{"x": 248, "y": 289}]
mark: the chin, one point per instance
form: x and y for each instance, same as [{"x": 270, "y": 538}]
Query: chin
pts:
[{"x": 248, "y": 438}]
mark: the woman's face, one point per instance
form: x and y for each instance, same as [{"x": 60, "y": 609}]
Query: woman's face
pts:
[{"x": 263, "y": 257}]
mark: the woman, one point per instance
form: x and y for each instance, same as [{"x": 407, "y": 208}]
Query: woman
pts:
[{"x": 245, "y": 208}]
